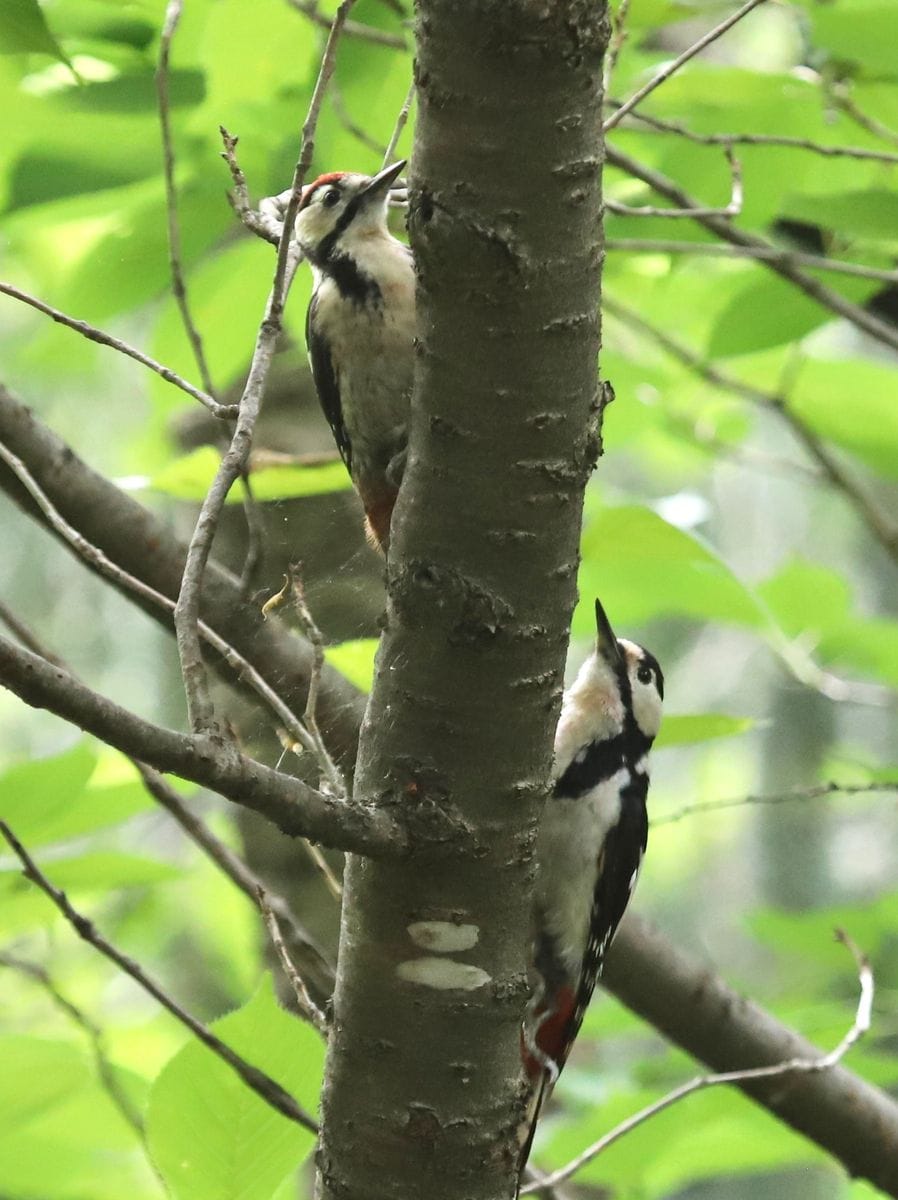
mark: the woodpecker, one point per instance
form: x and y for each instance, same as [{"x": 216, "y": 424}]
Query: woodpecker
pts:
[
  {"x": 590, "y": 844},
  {"x": 360, "y": 330}
]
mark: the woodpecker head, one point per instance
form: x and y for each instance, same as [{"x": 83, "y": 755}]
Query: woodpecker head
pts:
[
  {"x": 630, "y": 672},
  {"x": 341, "y": 210}
]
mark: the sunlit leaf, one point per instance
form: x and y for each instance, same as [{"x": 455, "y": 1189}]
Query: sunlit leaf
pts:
[
  {"x": 640, "y": 567},
  {"x": 685, "y": 730},
  {"x": 355, "y": 660},
  {"x": 190, "y": 477},
  {"x": 210, "y": 1135},
  {"x": 24, "y": 29}
]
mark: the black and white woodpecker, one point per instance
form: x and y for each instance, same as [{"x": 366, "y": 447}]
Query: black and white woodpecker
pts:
[
  {"x": 591, "y": 841},
  {"x": 360, "y": 331}
]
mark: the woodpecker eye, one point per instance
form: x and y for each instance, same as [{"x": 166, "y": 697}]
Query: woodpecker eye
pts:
[
  {"x": 331, "y": 197},
  {"x": 645, "y": 674}
]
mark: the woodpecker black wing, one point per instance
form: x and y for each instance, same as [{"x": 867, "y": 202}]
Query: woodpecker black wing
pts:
[
  {"x": 326, "y": 385},
  {"x": 621, "y": 858}
]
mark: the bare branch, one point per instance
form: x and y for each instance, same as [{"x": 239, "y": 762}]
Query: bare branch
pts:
[
  {"x": 816, "y": 262},
  {"x": 261, "y": 224},
  {"x": 137, "y": 587},
  {"x": 401, "y": 122},
  {"x": 235, "y": 460},
  {"x": 344, "y": 117},
  {"x": 757, "y": 139},
  {"x": 619, "y": 35},
  {"x": 310, "y": 716},
  {"x": 851, "y": 1119},
  {"x": 671, "y": 68},
  {"x": 842, "y": 99},
  {"x": 810, "y": 793},
  {"x": 106, "y": 339},
  {"x": 796, "y": 1065},
  {"x": 263, "y": 1085},
  {"x": 304, "y": 1001},
  {"x": 292, "y": 805},
  {"x": 179, "y": 285},
  {"x": 143, "y": 546},
  {"x": 780, "y": 263},
  {"x": 105, "y": 1070},
  {"x": 880, "y": 525},
  {"x": 354, "y": 29},
  {"x": 733, "y": 209},
  {"x": 224, "y": 858}
]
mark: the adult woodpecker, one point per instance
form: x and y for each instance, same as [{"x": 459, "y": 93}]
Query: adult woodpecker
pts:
[
  {"x": 590, "y": 845},
  {"x": 360, "y": 331}
]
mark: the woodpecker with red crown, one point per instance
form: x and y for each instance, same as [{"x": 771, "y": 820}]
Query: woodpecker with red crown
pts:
[
  {"x": 360, "y": 331},
  {"x": 591, "y": 841}
]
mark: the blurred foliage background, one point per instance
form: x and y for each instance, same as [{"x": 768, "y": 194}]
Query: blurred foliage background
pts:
[{"x": 712, "y": 535}]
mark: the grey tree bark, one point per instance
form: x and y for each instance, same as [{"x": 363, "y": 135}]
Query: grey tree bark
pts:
[{"x": 422, "y": 1092}]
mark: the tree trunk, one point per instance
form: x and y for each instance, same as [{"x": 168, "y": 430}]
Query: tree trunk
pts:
[{"x": 422, "y": 1091}]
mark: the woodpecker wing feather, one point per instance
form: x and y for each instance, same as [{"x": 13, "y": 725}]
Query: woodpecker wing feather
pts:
[{"x": 327, "y": 385}]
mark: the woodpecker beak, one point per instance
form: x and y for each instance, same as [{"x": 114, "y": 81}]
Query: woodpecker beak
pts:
[
  {"x": 383, "y": 181},
  {"x": 606, "y": 642}
]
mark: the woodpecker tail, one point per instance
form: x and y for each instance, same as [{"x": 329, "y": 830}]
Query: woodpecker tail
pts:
[
  {"x": 378, "y": 507},
  {"x": 544, "y": 1048}
]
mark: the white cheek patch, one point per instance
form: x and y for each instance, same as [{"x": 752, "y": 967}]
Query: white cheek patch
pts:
[
  {"x": 443, "y": 937},
  {"x": 444, "y": 974}
]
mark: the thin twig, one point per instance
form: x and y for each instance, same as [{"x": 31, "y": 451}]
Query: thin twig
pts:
[
  {"x": 810, "y": 793},
  {"x": 288, "y": 803},
  {"x": 234, "y": 462},
  {"x": 619, "y": 35},
  {"x": 671, "y": 68},
  {"x": 341, "y": 112},
  {"x": 310, "y": 716},
  {"x": 780, "y": 264},
  {"x": 234, "y": 867},
  {"x": 105, "y": 1069},
  {"x": 825, "y": 1062},
  {"x": 106, "y": 339},
  {"x": 105, "y": 566},
  {"x": 816, "y": 262},
  {"x": 263, "y": 1085},
  {"x": 879, "y": 524},
  {"x": 179, "y": 285},
  {"x": 757, "y": 139},
  {"x": 732, "y": 209},
  {"x": 401, "y": 122},
  {"x": 304, "y": 1001},
  {"x": 196, "y": 829},
  {"x": 263, "y": 225},
  {"x": 254, "y": 525},
  {"x": 842, "y": 100},
  {"x": 366, "y": 33}
]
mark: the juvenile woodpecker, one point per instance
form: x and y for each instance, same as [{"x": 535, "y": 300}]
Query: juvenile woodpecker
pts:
[
  {"x": 590, "y": 845},
  {"x": 360, "y": 331}
]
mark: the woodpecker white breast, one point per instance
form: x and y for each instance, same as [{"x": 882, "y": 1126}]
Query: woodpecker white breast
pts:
[
  {"x": 592, "y": 835},
  {"x": 360, "y": 330}
]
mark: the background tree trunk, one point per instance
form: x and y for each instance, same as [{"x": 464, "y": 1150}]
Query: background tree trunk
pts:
[{"x": 421, "y": 1092}]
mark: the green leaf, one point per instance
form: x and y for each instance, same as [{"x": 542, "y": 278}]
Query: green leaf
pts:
[
  {"x": 867, "y": 215},
  {"x": 686, "y": 730},
  {"x": 863, "y": 33},
  {"x": 770, "y": 311},
  {"x": 61, "y": 1136},
  {"x": 52, "y": 799},
  {"x": 814, "y": 604},
  {"x": 189, "y": 478},
  {"x": 210, "y": 1135},
  {"x": 853, "y": 404},
  {"x": 355, "y": 660},
  {"x": 640, "y": 567},
  {"x": 24, "y": 30}
]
